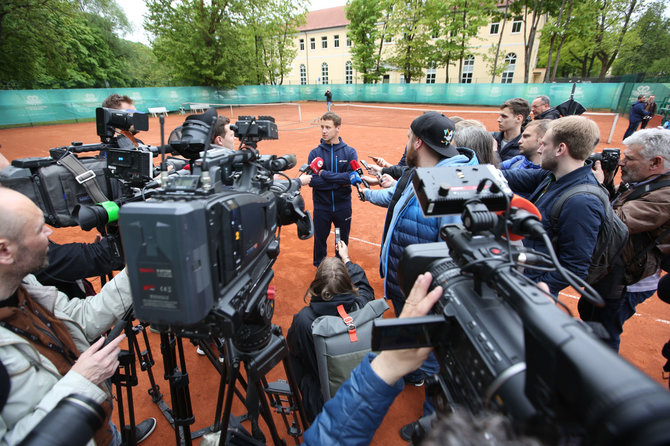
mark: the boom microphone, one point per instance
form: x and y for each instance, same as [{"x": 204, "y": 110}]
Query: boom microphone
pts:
[
  {"x": 356, "y": 167},
  {"x": 527, "y": 221}
]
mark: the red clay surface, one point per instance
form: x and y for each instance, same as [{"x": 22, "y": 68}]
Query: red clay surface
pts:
[{"x": 371, "y": 132}]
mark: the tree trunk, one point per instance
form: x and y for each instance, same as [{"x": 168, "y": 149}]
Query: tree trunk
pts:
[
  {"x": 563, "y": 37},
  {"x": 502, "y": 30}
]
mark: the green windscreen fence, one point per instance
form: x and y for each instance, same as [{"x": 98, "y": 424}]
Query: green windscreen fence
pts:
[{"x": 21, "y": 107}]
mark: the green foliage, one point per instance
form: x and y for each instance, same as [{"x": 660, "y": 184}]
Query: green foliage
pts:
[
  {"x": 412, "y": 29},
  {"x": 66, "y": 44},
  {"x": 367, "y": 36},
  {"x": 226, "y": 42},
  {"x": 646, "y": 48},
  {"x": 457, "y": 24}
]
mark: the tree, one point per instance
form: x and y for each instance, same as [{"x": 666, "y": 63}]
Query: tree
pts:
[
  {"x": 494, "y": 57},
  {"x": 613, "y": 23},
  {"x": 457, "y": 23},
  {"x": 647, "y": 48},
  {"x": 272, "y": 25},
  {"x": 411, "y": 25},
  {"x": 367, "y": 37},
  {"x": 531, "y": 12}
]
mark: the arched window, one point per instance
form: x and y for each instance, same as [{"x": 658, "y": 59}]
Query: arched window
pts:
[
  {"x": 468, "y": 68},
  {"x": 510, "y": 65},
  {"x": 348, "y": 73},
  {"x": 303, "y": 75},
  {"x": 324, "y": 73}
]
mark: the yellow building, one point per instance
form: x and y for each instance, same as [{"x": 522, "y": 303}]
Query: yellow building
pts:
[{"x": 324, "y": 57}]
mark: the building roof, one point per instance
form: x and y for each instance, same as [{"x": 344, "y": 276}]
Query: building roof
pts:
[{"x": 325, "y": 18}]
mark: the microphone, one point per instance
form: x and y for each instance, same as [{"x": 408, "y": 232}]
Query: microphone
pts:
[
  {"x": 314, "y": 167},
  {"x": 356, "y": 167},
  {"x": 524, "y": 220},
  {"x": 355, "y": 180},
  {"x": 367, "y": 167}
]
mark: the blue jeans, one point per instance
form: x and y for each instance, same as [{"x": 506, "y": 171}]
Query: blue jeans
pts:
[{"x": 629, "y": 303}]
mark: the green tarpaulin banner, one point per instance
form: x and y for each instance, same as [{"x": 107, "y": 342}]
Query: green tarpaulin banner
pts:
[{"x": 20, "y": 107}]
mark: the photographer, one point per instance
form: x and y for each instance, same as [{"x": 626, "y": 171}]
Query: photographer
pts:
[
  {"x": 643, "y": 204},
  {"x": 338, "y": 281},
  {"x": 44, "y": 336},
  {"x": 126, "y": 138}
]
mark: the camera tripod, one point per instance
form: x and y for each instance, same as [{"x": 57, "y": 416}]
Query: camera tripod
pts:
[
  {"x": 126, "y": 375},
  {"x": 258, "y": 354}
]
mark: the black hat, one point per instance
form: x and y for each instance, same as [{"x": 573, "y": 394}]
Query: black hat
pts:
[{"x": 437, "y": 131}]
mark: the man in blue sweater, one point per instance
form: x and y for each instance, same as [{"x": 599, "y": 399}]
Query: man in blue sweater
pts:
[
  {"x": 637, "y": 113},
  {"x": 331, "y": 189},
  {"x": 566, "y": 145}
]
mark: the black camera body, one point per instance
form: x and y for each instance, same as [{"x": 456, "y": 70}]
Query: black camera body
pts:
[
  {"x": 109, "y": 119},
  {"x": 503, "y": 344},
  {"x": 254, "y": 130},
  {"x": 200, "y": 251},
  {"x": 609, "y": 159}
]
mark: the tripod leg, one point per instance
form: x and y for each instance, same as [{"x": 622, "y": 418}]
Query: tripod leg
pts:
[{"x": 181, "y": 406}]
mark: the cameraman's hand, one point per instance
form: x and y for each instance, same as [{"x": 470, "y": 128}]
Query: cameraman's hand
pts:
[
  {"x": 98, "y": 364},
  {"x": 391, "y": 365},
  {"x": 305, "y": 179},
  {"x": 343, "y": 251},
  {"x": 598, "y": 172},
  {"x": 387, "y": 181}
]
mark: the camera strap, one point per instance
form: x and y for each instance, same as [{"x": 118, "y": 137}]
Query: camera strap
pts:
[{"x": 84, "y": 176}]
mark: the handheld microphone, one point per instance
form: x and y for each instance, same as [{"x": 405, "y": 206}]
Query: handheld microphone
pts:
[
  {"x": 355, "y": 180},
  {"x": 356, "y": 167},
  {"x": 315, "y": 166}
]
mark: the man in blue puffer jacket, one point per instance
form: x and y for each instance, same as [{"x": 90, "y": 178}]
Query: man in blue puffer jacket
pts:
[
  {"x": 428, "y": 145},
  {"x": 331, "y": 189}
]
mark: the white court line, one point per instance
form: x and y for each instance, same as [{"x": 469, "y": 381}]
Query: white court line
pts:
[
  {"x": 361, "y": 240},
  {"x": 653, "y": 318}
]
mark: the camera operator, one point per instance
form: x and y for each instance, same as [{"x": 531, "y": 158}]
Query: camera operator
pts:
[
  {"x": 565, "y": 146},
  {"x": 643, "y": 204},
  {"x": 338, "y": 281},
  {"x": 126, "y": 138},
  {"x": 222, "y": 135},
  {"x": 44, "y": 336}
]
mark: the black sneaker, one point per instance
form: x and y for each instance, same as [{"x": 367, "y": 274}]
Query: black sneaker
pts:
[
  {"x": 407, "y": 430},
  {"x": 144, "y": 429}
]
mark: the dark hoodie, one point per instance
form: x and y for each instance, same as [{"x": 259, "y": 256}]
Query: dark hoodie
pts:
[
  {"x": 331, "y": 190},
  {"x": 301, "y": 343}
]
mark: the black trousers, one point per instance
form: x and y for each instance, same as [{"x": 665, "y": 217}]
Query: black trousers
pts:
[{"x": 322, "y": 223}]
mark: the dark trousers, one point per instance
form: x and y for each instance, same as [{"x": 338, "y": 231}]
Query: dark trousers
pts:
[
  {"x": 632, "y": 128},
  {"x": 322, "y": 222},
  {"x": 611, "y": 289}
]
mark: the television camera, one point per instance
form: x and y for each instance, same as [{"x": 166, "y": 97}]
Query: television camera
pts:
[{"x": 502, "y": 342}]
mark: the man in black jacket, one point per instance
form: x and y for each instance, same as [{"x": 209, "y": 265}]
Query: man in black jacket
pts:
[
  {"x": 542, "y": 109},
  {"x": 513, "y": 113}
]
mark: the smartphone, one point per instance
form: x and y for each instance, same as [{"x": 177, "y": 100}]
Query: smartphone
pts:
[
  {"x": 337, "y": 237},
  {"x": 393, "y": 334}
]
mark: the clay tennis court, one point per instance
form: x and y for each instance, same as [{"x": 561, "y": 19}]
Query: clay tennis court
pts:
[{"x": 379, "y": 132}]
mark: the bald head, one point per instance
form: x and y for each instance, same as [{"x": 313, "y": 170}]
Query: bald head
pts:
[{"x": 16, "y": 211}]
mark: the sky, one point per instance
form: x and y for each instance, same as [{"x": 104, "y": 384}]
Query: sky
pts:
[{"x": 135, "y": 10}]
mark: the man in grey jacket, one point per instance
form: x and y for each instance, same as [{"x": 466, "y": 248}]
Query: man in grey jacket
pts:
[{"x": 45, "y": 338}]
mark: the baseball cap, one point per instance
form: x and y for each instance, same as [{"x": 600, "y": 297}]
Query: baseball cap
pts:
[{"x": 437, "y": 131}]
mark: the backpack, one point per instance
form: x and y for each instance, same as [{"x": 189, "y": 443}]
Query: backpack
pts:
[
  {"x": 612, "y": 236},
  {"x": 336, "y": 352}
]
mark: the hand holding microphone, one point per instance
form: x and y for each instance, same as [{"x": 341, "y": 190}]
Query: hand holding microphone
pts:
[
  {"x": 356, "y": 167},
  {"x": 355, "y": 180},
  {"x": 314, "y": 167}
]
